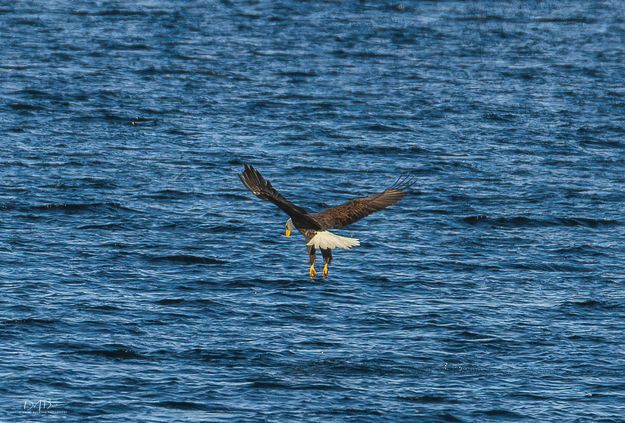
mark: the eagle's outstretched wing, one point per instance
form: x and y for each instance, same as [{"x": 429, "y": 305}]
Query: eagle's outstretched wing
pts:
[
  {"x": 354, "y": 210},
  {"x": 262, "y": 188}
]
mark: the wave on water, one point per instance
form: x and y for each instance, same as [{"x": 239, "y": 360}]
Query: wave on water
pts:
[
  {"x": 592, "y": 304},
  {"x": 73, "y": 208},
  {"x": 574, "y": 20},
  {"x": 181, "y": 405},
  {"x": 29, "y": 321},
  {"x": 185, "y": 259},
  {"x": 524, "y": 221},
  {"x": 115, "y": 351},
  {"x": 380, "y": 149},
  {"x": 104, "y": 226}
]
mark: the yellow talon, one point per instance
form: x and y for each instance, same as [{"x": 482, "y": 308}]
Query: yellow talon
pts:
[
  {"x": 325, "y": 271},
  {"x": 312, "y": 272}
]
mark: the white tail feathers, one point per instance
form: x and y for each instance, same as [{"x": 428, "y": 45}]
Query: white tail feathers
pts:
[{"x": 326, "y": 239}]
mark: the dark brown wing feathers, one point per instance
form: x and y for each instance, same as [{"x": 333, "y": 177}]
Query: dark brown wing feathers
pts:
[
  {"x": 262, "y": 188},
  {"x": 354, "y": 210}
]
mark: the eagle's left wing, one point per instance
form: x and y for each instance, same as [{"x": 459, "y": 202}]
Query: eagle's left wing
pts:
[{"x": 262, "y": 188}]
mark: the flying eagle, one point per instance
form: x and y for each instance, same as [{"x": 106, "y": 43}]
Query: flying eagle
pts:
[{"x": 315, "y": 226}]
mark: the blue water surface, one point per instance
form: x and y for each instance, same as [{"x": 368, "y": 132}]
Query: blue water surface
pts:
[{"x": 140, "y": 281}]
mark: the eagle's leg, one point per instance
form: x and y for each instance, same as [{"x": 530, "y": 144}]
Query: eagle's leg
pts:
[
  {"x": 327, "y": 259},
  {"x": 311, "y": 258}
]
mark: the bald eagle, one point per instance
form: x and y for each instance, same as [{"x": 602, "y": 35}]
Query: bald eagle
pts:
[{"x": 315, "y": 226}]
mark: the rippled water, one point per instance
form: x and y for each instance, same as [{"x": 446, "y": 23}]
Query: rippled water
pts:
[{"x": 142, "y": 282}]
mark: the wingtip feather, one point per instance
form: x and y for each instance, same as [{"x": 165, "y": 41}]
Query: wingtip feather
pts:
[{"x": 403, "y": 184}]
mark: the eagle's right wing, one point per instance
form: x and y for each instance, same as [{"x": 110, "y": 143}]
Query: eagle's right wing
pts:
[
  {"x": 354, "y": 210},
  {"x": 262, "y": 188}
]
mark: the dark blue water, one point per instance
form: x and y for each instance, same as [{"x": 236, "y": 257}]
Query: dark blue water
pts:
[{"x": 140, "y": 281}]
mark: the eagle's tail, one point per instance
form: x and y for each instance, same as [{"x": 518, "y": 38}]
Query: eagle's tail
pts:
[{"x": 326, "y": 239}]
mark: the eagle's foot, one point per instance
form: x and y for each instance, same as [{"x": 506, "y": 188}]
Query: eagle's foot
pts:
[
  {"x": 312, "y": 272},
  {"x": 325, "y": 271}
]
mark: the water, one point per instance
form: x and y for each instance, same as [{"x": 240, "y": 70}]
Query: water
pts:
[{"x": 140, "y": 281}]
